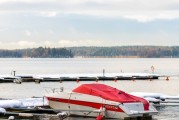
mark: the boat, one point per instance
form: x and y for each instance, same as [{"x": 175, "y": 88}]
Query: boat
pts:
[{"x": 92, "y": 100}]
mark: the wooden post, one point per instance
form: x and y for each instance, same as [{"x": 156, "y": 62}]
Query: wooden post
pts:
[
  {"x": 14, "y": 73},
  {"x": 103, "y": 72}
]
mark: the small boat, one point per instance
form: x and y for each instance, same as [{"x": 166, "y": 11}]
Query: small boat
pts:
[{"x": 99, "y": 99}]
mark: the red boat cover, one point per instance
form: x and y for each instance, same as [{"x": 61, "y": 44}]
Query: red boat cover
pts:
[{"x": 110, "y": 93}]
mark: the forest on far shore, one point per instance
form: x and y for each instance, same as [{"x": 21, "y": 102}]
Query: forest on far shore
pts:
[
  {"x": 37, "y": 53},
  {"x": 117, "y": 51},
  {"x": 127, "y": 51}
]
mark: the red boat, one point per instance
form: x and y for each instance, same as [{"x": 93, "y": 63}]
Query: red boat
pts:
[{"x": 99, "y": 99}]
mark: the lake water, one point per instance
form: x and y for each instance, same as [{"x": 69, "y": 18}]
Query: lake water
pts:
[
  {"x": 88, "y": 65},
  {"x": 28, "y": 66}
]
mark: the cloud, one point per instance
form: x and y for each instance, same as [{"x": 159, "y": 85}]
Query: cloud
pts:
[
  {"x": 48, "y": 43},
  {"x": 3, "y": 29},
  {"x": 84, "y": 22},
  {"x": 48, "y": 14},
  {"x": 28, "y": 33},
  {"x": 25, "y": 1},
  {"x": 18, "y": 44},
  {"x": 140, "y": 10},
  {"x": 60, "y": 43},
  {"x": 68, "y": 43},
  {"x": 51, "y": 32},
  {"x": 152, "y": 16},
  {"x": 26, "y": 44}
]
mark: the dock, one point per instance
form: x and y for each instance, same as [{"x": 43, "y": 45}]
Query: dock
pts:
[
  {"x": 32, "y": 113},
  {"x": 77, "y": 77}
]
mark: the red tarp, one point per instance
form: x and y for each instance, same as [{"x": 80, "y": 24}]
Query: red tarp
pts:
[{"x": 110, "y": 93}]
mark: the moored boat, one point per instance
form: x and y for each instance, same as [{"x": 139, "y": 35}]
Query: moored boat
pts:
[{"x": 94, "y": 99}]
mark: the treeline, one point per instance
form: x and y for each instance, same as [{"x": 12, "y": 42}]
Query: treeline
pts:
[
  {"x": 37, "y": 53},
  {"x": 127, "y": 51},
  {"x": 122, "y": 51}
]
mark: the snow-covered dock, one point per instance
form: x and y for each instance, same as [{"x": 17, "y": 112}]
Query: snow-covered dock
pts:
[{"x": 78, "y": 77}]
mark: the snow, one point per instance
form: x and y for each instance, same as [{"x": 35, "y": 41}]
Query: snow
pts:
[
  {"x": 25, "y": 102},
  {"x": 2, "y": 110},
  {"x": 94, "y": 75},
  {"x": 10, "y": 103},
  {"x": 153, "y": 96}
]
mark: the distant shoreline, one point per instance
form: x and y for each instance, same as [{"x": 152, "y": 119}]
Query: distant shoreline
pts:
[{"x": 94, "y": 52}]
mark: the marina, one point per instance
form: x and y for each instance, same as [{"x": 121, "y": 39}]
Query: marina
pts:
[
  {"x": 46, "y": 71},
  {"x": 89, "y": 60},
  {"x": 38, "y": 107}
]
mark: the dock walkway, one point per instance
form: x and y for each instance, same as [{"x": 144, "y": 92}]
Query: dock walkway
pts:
[{"x": 78, "y": 77}]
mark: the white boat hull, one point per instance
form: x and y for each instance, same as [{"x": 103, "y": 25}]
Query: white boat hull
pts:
[
  {"x": 87, "y": 105},
  {"x": 80, "y": 110}
]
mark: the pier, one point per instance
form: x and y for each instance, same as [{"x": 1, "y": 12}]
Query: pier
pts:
[{"x": 77, "y": 77}]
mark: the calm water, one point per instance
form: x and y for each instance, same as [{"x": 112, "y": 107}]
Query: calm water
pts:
[{"x": 78, "y": 65}]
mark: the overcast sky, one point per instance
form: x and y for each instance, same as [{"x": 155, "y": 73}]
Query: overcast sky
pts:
[{"x": 64, "y": 23}]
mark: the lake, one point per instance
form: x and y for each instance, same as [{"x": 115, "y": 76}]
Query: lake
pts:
[
  {"x": 44, "y": 66},
  {"x": 88, "y": 65}
]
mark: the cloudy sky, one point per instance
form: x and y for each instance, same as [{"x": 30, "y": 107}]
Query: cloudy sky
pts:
[{"x": 64, "y": 23}]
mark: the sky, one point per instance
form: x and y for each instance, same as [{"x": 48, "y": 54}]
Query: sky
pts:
[{"x": 69, "y": 23}]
